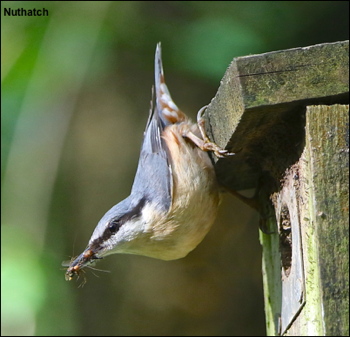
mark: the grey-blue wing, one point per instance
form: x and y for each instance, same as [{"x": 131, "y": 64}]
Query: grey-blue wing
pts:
[{"x": 153, "y": 179}]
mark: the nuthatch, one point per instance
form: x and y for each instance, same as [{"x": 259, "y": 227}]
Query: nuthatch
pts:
[{"x": 175, "y": 196}]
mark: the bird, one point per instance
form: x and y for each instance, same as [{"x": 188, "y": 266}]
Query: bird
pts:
[{"x": 175, "y": 196}]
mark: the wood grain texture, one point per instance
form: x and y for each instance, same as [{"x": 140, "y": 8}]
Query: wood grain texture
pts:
[{"x": 261, "y": 100}]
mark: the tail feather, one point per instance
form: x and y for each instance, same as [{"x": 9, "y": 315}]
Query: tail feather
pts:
[{"x": 166, "y": 108}]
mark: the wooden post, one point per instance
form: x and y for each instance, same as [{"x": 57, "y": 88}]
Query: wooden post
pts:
[{"x": 284, "y": 115}]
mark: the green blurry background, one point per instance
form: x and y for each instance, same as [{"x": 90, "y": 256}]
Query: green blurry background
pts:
[{"x": 76, "y": 88}]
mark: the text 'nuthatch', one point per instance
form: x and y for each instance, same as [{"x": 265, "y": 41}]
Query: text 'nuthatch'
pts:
[{"x": 175, "y": 196}]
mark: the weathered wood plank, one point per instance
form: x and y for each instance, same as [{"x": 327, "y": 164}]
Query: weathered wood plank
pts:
[
  {"x": 260, "y": 91},
  {"x": 327, "y": 143},
  {"x": 318, "y": 183}
]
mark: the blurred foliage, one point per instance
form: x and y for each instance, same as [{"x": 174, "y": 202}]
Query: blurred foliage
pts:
[{"x": 75, "y": 96}]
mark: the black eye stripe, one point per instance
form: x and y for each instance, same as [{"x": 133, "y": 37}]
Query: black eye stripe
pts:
[{"x": 115, "y": 224}]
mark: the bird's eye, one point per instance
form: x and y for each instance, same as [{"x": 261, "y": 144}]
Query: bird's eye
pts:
[{"x": 113, "y": 226}]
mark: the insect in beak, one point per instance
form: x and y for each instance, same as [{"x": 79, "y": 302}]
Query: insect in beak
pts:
[{"x": 75, "y": 266}]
